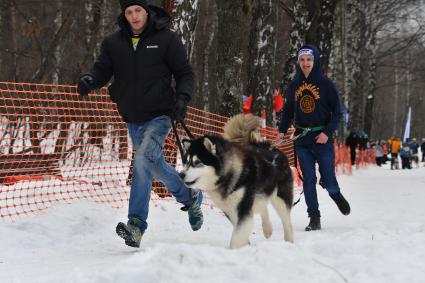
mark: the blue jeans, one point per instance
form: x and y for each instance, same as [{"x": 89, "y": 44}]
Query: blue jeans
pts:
[
  {"x": 324, "y": 155},
  {"x": 148, "y": 163}
]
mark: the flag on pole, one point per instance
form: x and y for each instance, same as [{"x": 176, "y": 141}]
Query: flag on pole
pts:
[{"x": 407, "y": 128}]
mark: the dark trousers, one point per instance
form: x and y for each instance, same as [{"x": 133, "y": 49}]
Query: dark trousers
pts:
[
  {"x": 394, "y": 160},
  {"x": 405, "y": 163},
  {"x": 324, "y": 155},
  {"x": 353, "y": 155}
]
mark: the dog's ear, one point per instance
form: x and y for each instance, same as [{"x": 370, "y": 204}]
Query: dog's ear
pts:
[
  {"x": 209, "y": 145},
  {"x": 186, "y": 144}
]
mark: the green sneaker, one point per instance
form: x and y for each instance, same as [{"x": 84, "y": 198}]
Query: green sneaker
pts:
[
  {"x": 130, "y": 233},
  {"x": 196, "y": 218}
]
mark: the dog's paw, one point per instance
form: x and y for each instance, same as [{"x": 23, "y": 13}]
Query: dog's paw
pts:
[{"x": 267, "y": 231}]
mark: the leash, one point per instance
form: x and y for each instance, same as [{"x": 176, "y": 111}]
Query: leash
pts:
[
  {"x": 305, "y": 131},
  {"x": 294, "y": 138},
  {"x": 299, "y": 176},
  {"x": 295, "y": 203},
  {"x": 183, "y": 154},
  {"x": 178, "y": 140}
]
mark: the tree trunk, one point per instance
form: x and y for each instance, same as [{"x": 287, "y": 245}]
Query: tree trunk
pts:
[
  {"x": 8, "y": 48},
  {"x": 300, "y": 25},
  {"x": 336, "y": 67},
  {"x": 262, "y": 48},
  {"x": 353, "y": 63},
  {"x": 185, "y": 19},
  {"x": 208, "y": 87},
  {"x": 369, "y": 117},
  {"x": 229, "y": 57},
  {"x": 320, "y": 33}
]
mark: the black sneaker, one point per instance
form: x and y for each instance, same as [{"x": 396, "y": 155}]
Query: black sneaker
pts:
[
  {"x": 314, "y": 224},
  {"x": 342, "y": 203}
]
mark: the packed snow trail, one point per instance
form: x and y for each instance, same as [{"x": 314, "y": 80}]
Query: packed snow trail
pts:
[{"x": 382, "y": 240}]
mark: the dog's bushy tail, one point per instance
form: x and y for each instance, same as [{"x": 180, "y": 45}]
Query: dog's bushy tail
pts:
[{"x": 243, "y": 128}]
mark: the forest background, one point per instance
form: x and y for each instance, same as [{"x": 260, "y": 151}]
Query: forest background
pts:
[{"x": 373, "y": 50}]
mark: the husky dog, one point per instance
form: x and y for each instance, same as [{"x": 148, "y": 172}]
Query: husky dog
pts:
[{"x": 242, "y": 173}]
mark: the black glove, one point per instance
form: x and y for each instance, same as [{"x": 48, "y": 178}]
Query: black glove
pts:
[
  {"x": 85, "y": 85},
  {"x": 180, "y": 109}
]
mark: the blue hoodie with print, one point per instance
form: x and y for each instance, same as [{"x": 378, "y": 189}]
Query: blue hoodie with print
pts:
[{"x": 311, "y": 102}]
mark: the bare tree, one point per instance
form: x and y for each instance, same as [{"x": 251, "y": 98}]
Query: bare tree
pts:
[
  {"x": 262, "y": 52},
  {"x": 229, "y": 56},
  {"x": 9, "y": 52},
  {"x": 300, "y": 25},
  {"x": 185, "y": 19}
]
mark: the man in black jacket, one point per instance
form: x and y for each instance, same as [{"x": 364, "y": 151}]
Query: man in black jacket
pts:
[{"x": 142, "y": 57}]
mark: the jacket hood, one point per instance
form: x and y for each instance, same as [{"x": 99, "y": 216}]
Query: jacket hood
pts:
[
  {"x": 158, "y": 20},
  {"x": 316, "y": 72}
]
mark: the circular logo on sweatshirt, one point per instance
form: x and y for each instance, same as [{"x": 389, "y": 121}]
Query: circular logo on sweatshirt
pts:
[
  {"x": 307, "y": 94},
  {"x": 307, "y": 104}
]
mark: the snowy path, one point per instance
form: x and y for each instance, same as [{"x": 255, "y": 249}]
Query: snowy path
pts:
[{"x": 383, "y": 240}]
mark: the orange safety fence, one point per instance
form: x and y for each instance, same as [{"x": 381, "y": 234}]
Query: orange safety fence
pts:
[
  {"x": 58, "y": 147},
  {"x": 343, "y": 159},
  {"x": 365, "y": 157}
]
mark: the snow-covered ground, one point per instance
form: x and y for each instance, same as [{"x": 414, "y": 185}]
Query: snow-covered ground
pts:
[{"x": 383, "y": 240}]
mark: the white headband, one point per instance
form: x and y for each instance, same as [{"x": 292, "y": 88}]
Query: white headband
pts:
[{"x": 305, "y": 51}]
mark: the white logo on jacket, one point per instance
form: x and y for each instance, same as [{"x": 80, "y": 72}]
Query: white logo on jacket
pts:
[{"x": 152, "y": 46}]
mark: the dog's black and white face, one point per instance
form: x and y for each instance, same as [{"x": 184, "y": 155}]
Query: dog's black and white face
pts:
[{"x": 202, "y": 163}]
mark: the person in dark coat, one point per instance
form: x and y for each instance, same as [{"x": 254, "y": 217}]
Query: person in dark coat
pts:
[
  {"x": 364, "y": 141},
  {"x": 142, "y": 58},
  {"x": 352, "y": 141},
  {"x": 423, "y": 149},
  {"x": 414, "y": 148},
  {"x": 313, "y": 106},
  {"x": 406, "y": 156}
]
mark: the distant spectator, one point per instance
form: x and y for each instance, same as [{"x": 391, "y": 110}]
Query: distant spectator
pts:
[
  {"x": 363, "y": 140},
  {"x": 423, "y": 149},
  {"x": 414, "y": 147},
  {"x": 406, "y": 155},
  {"x": 384, "y": 145},
  {"x": 379, "y": 153},
  {"x": 394, "y": 144},
  {"x": 352, "y": 141}
]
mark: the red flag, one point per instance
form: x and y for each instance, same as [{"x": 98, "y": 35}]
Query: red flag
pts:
[
  {"x": 247, "y": 105},
  {"x": 278, "y": 102}
]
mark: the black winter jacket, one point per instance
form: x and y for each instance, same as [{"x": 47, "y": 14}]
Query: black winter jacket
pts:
[{"x": 141, "y": 85}]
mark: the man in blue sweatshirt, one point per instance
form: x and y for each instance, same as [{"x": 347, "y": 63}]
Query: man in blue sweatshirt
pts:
[{"x": 314, "y": 108}]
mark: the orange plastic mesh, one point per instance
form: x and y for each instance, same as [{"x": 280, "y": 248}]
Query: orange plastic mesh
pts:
[{"x": 58, "y": 147}]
